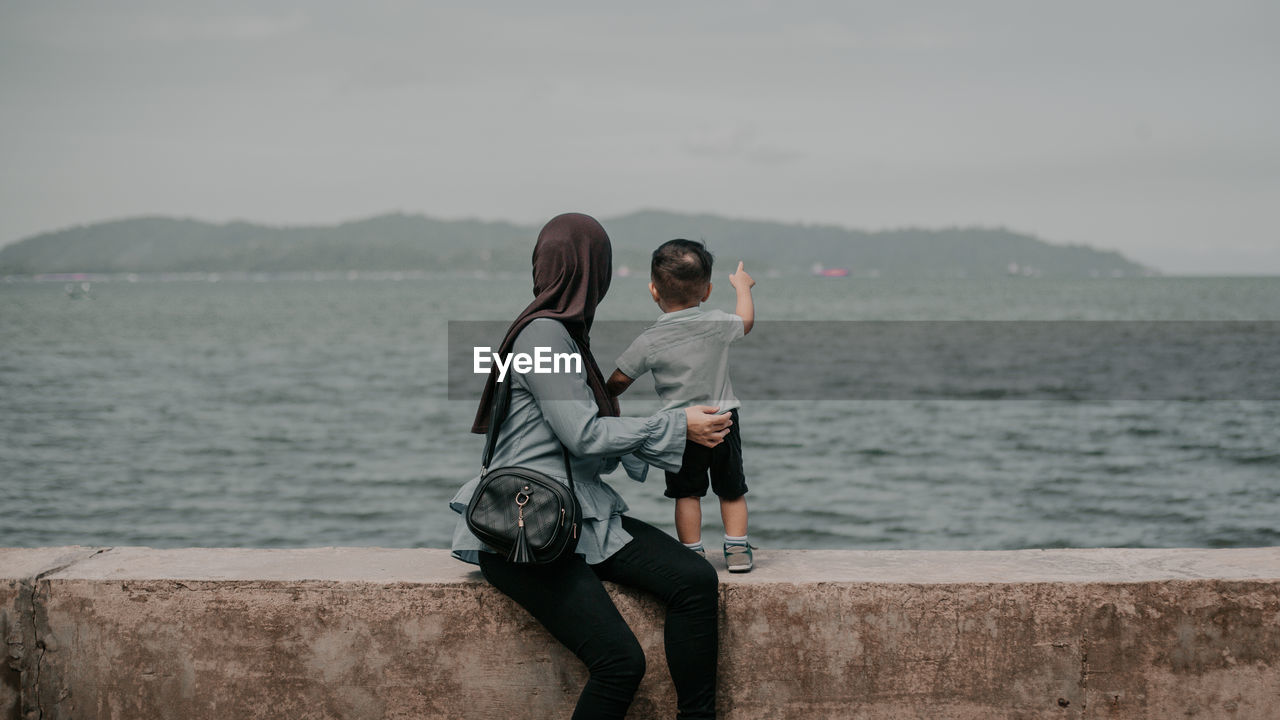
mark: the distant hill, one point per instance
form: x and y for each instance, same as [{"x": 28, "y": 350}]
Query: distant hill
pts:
[{"x": 414, "y": 242}]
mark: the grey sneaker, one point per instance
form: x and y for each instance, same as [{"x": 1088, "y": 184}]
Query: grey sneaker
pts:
[{"x": 738, "y": 558}]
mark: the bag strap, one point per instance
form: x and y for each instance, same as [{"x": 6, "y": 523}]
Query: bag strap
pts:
[{"x": 497, "y": 415}]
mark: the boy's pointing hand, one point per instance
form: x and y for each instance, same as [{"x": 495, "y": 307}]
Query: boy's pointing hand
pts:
[{"x": 740, "y": 280}]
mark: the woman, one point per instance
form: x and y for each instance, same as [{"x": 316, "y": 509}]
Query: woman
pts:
[{"x": 572, "y": 267}]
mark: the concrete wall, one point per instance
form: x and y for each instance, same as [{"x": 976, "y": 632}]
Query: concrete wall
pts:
[
  {"x": 20, "y": 573},
  {"x": 373, "y": 633}
]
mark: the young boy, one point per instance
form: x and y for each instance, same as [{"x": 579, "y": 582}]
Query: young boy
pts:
[{"x": 687, "y": 350}]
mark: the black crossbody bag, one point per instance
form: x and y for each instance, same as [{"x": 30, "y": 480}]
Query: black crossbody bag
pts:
[{"x": 524, "y": 515}]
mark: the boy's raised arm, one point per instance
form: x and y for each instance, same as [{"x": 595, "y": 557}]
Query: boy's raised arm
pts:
[
  {"x": 617, "y": 383},
  {"x": 746, "y": 309}
]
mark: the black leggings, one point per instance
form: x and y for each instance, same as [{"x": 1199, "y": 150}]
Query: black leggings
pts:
[{"x": 570, "y": 602}]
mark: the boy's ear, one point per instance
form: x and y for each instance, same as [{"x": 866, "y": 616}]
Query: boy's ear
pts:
[
  {"x": 707, "y": 294},
  {"x": 653, "y": 291}
]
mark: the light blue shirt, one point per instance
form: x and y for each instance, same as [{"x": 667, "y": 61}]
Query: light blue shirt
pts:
[
  {"x": 688, "y": 353},
  {"x": 548, "y": 409}
]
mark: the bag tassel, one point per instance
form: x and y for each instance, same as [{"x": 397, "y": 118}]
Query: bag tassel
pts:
[{"x": 520, "y": 551}]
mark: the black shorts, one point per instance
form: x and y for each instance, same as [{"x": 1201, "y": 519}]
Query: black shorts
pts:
[{"x": 723, "y": 462}]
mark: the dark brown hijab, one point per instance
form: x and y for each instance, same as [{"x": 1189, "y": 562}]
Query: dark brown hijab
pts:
[{"x": 572, "y": 267}]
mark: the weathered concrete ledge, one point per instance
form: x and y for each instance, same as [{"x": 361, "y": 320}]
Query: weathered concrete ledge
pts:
[{"x": 375, "y": 633}]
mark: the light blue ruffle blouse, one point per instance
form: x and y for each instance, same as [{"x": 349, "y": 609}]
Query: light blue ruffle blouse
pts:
[{"x": 547, "y": 409}]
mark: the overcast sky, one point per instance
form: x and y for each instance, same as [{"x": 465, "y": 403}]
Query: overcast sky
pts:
[{"x": 1148, "y": 127}]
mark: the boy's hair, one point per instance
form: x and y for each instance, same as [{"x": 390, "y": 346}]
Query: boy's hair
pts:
[{"x": 680, "y": 270}]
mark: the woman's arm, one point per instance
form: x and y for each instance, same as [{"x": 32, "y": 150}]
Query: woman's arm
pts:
[{"x": 567, "y": 404}]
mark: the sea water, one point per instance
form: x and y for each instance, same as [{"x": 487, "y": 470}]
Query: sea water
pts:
[{"x": 260, "y": 411}]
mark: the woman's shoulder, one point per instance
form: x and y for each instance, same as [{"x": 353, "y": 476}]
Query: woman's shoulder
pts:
[
  {"x": 546, "y": 324},
  {"x": 543, "y": 332}
]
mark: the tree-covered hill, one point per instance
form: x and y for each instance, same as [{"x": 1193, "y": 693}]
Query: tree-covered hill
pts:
[{"x": 413, "y": 242}]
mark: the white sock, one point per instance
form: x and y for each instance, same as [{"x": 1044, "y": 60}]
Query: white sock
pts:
[
  {"x": 735, "y": 540},
  {"x": 696, "y": 546}
]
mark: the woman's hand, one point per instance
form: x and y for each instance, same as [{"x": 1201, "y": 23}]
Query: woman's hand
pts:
[{"x": 705, "y": 426}]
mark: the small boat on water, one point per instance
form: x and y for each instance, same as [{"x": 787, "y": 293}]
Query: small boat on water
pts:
[{"x": 820, "y": 271}]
